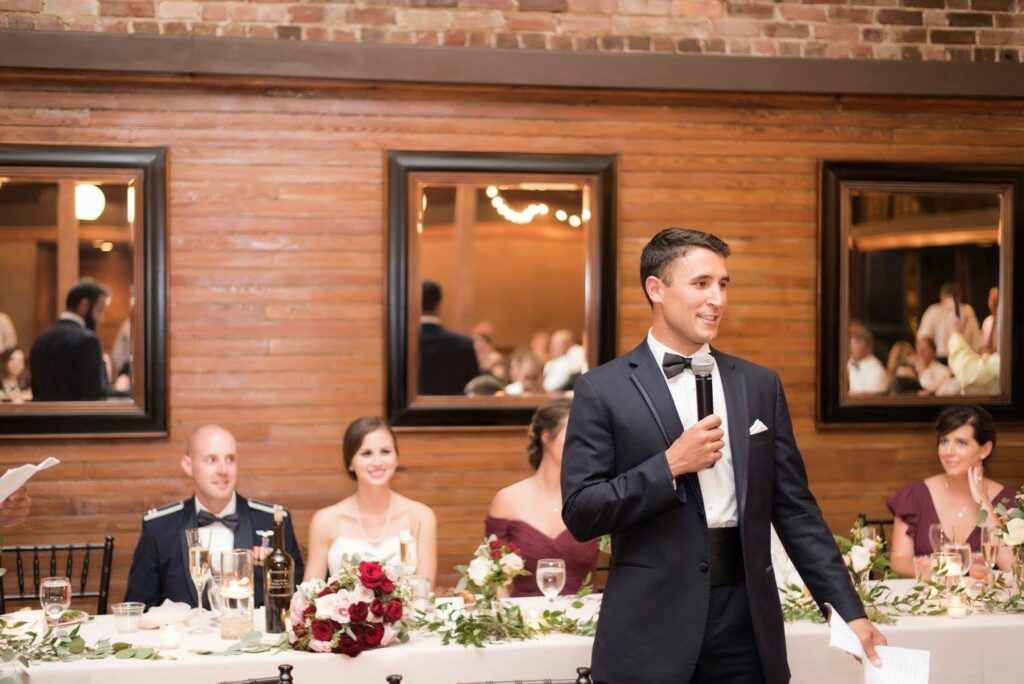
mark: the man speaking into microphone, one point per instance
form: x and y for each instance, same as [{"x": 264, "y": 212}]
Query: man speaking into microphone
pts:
[{"x": 689, "y": 501}]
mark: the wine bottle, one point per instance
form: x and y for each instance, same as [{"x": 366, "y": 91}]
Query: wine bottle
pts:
[{"x": 279, "y": 572}]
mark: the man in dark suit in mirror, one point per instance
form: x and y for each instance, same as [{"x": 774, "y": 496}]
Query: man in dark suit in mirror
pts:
[
  {"x": 67, "y": 359},
  {"x": 691, "y": 595},
  {"x": 447, "y": 359}
]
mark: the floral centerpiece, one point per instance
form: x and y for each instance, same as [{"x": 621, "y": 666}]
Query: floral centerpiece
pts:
[
  {"x": 863, "y": 553},
  {"x": 358, "y": 608},
  {"x": 495, "y": 563},
  {"x": 1010, "y": 522}
]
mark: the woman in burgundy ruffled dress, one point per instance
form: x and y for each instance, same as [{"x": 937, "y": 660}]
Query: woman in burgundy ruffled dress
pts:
[{"x": 529, "y": 512}]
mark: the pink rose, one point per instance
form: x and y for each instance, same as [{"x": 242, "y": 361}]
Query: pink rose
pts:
[
  {"x": 318, "y": 646},
  {"x": 390, "y": 636},
  {"x": 298, "y": 608}
]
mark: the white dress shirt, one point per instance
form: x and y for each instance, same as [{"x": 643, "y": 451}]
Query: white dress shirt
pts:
[
  {"x": 218, "y": 536},
  {"x": 718, "y": 484},
  {"x": 867, "y": 376}
]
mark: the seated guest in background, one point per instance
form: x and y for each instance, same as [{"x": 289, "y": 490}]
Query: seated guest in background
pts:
[
  {"x": 976, "y": 373},
  {"x": 966, "y": 437},
  {"x": 225, "y": 520},
  {"x": 904, "y": 380},
  {"x": 484, "y": 386},
  {"x": 901, "y": 352},
  {"x": 67, "y": 359},
  {"x": 8, "y": 334},
  {"x": 15, "y": 386},
  {"x": 567, "y": 361},
  {"x": 989, "y": 328},
  {"x": 865, "y": 371},
  {"x": 935, "y": 322},
  {"x": 374, "y": 522},
  {"x": 529, "y": 512},
  {"x": 447, "y": 359},
  {"x": 488, "y": 358},
  {"x": 526, "y": 371},
  {"x": 930, "y": 373},
  {"x": 540, "y": 342}
]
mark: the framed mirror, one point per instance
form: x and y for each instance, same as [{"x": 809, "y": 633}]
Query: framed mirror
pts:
[
  {"x": 501, "y": 282},
  {"x": 82, "y": 291},
  {"x": 917, "y": 290}
]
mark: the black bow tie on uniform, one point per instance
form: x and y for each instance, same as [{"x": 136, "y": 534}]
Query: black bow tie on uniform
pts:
[
  {"x": 674, "y": 364},
  {"x": 204, "y": 518}
]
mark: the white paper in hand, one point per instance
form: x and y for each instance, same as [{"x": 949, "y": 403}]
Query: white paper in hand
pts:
[
  {"x": 16, "y": 477},
  {"x": 899, "y": 665}
]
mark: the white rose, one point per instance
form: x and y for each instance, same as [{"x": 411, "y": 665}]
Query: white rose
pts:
[
  {"x": 860, "y": 559},
  {"x": 361, "y": 593},
  {"x": 326, "y": 605},
  {"x": 478, "y": 570},
  {"x": 869, "y": 544},
  {"x": 511, "y": 563},
  {"x": 1014, "y": 534}
]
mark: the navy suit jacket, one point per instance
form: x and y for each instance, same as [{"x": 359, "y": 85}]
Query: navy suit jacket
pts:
[
  {"x": 447, "y": 360},
  {"x": 67, "y": 364},
  {"x": 160, "y": 566},
  {"x": 615, "y": 479}
]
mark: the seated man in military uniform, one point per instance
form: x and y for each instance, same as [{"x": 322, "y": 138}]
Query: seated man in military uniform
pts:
[{"x": 225, "y": 520}]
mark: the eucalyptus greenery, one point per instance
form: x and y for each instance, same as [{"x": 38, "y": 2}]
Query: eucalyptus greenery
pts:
[{"x": 250, "y": 643}]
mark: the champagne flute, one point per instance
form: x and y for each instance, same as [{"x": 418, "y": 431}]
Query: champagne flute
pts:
[
  {"x": 937, "y": 537},
  {"x": 550, "y": 577},
  {"x": 991, "y": 541},
  {"x": 55, "y": 596},
  {"x": 408, "y": 556},
  {"x": 198, "y": 567}
]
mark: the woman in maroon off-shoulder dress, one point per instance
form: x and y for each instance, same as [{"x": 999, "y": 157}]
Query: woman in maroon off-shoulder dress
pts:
[
  {"x": 966, "y": 436},
  {"x": 529, "y": 512}
]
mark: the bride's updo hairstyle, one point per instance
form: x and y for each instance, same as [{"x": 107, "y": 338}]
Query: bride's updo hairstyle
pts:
[
  {"x": 546, "y": 421},
  {"x": 356, "y": 432}
]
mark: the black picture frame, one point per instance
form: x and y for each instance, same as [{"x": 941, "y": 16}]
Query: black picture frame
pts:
[
  {"x": 401, "y": 410},
  {"x": 891, "y": 412},
  {"x": 93, "y": 419}
]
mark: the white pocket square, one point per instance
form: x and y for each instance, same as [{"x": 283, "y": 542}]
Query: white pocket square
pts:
[{"x": 758, "y": 427}]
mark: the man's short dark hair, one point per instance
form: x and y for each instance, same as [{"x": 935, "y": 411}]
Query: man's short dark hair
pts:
[
  {"x": 431, "y": 296},
  {"x": 669, "y": 245},
  {"x": 86, "y": 288}
]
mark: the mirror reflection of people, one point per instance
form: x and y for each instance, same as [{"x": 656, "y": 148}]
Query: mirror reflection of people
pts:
[
  {"x": 15, "y": 386},
  {"x": 567, "y": 360},
  {"x": 966, "y": 437},
  {"x": 526, "y": 371},
  {"x": 976, "y": 373},
  {"x": 371, "y": 522},
  {"x": 935, "y": 322},
  {"x": 989, "y": 326},
  {"x": 447, "y": 359},
  {"x": 866, "y": 373},
  {"x": 225, "y": 520},
  {"x": 529, "y": 512},
  {"x": 67, "y": 359},
  {"x": 930, "y": 373},
  {"x": 8, "y": 334}
]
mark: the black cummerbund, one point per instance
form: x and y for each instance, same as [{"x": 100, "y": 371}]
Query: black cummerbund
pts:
[{"x": 726, "y": 555}]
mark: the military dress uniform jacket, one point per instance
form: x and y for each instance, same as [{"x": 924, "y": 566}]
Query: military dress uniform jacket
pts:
[{"x": 160, "y": 566}]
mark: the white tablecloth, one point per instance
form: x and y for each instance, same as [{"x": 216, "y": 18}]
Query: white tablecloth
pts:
[{"x": 980, "y": 649}]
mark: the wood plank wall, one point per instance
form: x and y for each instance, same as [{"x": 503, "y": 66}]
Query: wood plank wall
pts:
[{"x": 276, "y": 232}]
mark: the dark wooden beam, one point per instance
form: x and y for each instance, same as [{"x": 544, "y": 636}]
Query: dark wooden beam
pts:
[{"x": 106, "y": 52}]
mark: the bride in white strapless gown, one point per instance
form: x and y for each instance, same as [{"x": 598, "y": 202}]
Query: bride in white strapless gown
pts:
[{"x": 369, "y": 523}]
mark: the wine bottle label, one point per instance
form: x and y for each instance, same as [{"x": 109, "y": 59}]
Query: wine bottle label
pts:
[{"x": 279, "y": 582}]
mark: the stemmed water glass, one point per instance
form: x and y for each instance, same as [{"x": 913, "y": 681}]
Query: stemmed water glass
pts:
[
  {"x": 55, "y": 596},
  {"x": 550, "y": 577},
  {"x": 199, "y": 568},
  {"x": 937, "y": 537},
  {"x": 963, "y": 553}
]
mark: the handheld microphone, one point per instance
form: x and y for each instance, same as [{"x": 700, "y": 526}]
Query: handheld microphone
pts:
[{"x": 702, "y": 365}]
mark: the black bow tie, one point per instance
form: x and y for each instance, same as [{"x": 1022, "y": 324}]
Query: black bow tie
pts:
[
  {"x": 674, "y": 364},
  {"x": 204, "y": 518}
]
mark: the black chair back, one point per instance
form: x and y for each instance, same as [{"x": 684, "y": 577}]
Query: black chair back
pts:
[
  {"x": 46, "y": 556},
  {"x": 582, "y": 677},
  {"x": 284, "y": 676}
]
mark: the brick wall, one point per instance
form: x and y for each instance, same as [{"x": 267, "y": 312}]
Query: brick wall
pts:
[{"x": 960, "y": 30}]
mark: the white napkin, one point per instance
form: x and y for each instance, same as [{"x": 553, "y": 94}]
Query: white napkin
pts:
[
  {"x": 167, "y": 613},
  {"x": 16, "y": 477}
]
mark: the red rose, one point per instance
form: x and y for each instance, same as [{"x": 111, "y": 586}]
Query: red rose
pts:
[
  {"x": 348, "y": 646},
  {"x": 495, "y": 545},
  {"x": 299, "y": 631},
  {"x": 387, "y": 586},
  {"x": 513, "y": 548},
  {"x": 374, "y": 633},
  {"x": 358, "y": 611},
  {"x": 377, "y": 607},
  {"x": 358, "y": 631},
  {"x": 371, "y": 574},
  {"x": 310, "y": 610},
  {"x": 495, "y": 555},
  {"x": 393, "y": 611},
  {"x": 322, "y": 630}
]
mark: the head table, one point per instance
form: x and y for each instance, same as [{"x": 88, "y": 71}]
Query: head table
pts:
[{"x": 981, "y": 648}]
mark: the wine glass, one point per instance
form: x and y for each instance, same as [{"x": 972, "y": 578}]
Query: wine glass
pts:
[
  {"x": 991, "y": 541},
  {"x": 55, "y": 596},
  {"x": 550, "y": 577},
  {"x": 198, "y": 568},
  {"x": 962, "y": 552},
  {"x": 937, "y": 537}
]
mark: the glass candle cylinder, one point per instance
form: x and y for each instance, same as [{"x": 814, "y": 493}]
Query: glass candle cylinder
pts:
[{"x": 236, "y": 593}]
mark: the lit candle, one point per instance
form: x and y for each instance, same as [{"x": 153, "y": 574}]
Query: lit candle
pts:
[
  {"x": 170, "y": 637},
  {"x": 954, "y": 568},
  {"x": 237, "y": 590},
  {"x": 956, "y": 608}
]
